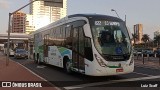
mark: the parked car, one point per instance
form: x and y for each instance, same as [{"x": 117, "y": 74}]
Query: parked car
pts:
[
  {"x": 21, "y": 53},
  {"x": 149, "y": 52},
  {"x": 134, "y": 52},
  {"x": 139, "y": 52},
  {"x": 157, "y": 52}
]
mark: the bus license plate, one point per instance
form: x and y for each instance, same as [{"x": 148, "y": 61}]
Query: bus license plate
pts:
[{"x": 119, "y": 70}]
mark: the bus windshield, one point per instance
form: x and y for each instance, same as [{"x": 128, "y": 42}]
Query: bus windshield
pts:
[{"x": 111, "y": 37}]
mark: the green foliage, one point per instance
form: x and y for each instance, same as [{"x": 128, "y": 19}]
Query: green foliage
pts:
[
  {"x": 135, "y": 36},
  {"x": 145, "y": 38},
  {"x": 157, "y": 39}
]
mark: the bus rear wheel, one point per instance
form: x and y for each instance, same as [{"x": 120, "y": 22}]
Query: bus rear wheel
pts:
[
  {"x": 68, "y": 66},
  {"x": 38, "y": 61}
]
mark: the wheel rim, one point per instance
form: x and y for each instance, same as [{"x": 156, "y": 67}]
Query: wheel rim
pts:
[{"x": 68, "y": 66}]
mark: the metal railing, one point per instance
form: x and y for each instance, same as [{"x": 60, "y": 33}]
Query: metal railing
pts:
[{"x": 155, "y": 58}]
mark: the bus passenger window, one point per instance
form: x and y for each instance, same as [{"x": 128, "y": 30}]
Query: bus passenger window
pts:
[{"x": 68, "y": 40}]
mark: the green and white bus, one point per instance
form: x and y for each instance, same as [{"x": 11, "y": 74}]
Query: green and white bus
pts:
[{"x": 78, "y": 43}]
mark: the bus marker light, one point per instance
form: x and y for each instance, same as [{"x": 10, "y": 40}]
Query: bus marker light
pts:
[{"x": 87, "y": 65}]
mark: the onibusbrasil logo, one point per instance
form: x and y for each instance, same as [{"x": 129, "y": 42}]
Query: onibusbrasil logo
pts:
[{"x": 20, "y": 84}]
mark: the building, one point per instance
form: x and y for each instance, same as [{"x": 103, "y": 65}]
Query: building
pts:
[
  {"x": 156, "y": 33},
  {"x": 18, "y": 22},
  {"x": 29, "y": 27},
  {"x": 43, "y": 15},
  {"x": 138, "y": 30}
]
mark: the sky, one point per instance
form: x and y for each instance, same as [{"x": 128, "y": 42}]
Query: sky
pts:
[{"x": 146, "y": 12}]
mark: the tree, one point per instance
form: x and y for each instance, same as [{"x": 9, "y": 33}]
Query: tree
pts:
[
  {"x": 135, "y": 36},
  {"x": 145, "y": 38},
  {"x": 157, "y": 39}
]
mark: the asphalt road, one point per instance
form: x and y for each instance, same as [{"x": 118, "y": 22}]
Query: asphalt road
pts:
[{"x": 76, "y": 81}]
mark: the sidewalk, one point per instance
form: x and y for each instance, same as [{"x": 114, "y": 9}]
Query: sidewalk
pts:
[
  {"x": 14, "y": 72},
  {"x": 148, "y": 63}
]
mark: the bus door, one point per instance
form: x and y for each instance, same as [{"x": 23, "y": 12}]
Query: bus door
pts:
[{"x": 78, "y": 49}]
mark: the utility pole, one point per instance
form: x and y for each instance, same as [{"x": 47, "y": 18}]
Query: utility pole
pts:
[{"x": 56, "y": 3}]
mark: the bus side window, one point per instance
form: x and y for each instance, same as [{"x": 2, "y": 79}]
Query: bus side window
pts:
[
  {"x": 68, "y": 41},
  {"x": 53, "y": 36},
  {"x": 63, "y": 35},
  {"x": 88, "y": 49},
  {"x": 81, "y": 40}
]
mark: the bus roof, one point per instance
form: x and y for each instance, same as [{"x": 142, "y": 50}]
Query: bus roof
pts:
[
  {"x": 93, "y": 16},
  {"x": 96, "y": 16}
]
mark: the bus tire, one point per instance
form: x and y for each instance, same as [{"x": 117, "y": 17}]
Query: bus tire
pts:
[{"x": 67, "y": 66}]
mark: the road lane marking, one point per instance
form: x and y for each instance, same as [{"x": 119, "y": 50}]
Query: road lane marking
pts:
[
  {"x": 142, "y": 74},
  {"x": 41, "y": 66},
  {"x": 110, "y": 82}
]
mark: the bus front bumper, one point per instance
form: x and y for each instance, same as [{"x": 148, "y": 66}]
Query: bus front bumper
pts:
[{"x": 108, "y": 71}]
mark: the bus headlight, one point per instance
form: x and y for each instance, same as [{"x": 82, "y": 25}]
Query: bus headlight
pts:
[{"x": 99, "y": 60}]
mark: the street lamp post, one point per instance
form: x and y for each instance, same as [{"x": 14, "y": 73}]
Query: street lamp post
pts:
[
  {"x": 125, "y": 19},
  {"x": 118, "y": 15},
  {"x": 9, "y": 30},
  {"x": 8, "y": 44},
  {"x": 48, "y": 2},
  {"x": 115, "y": 12}
]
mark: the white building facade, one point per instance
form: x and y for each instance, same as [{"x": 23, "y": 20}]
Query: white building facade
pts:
[
  {"x": 29, "y": 25},
  {"x": 44, "y": 15},
  {"x": 138, "y": 30}
]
